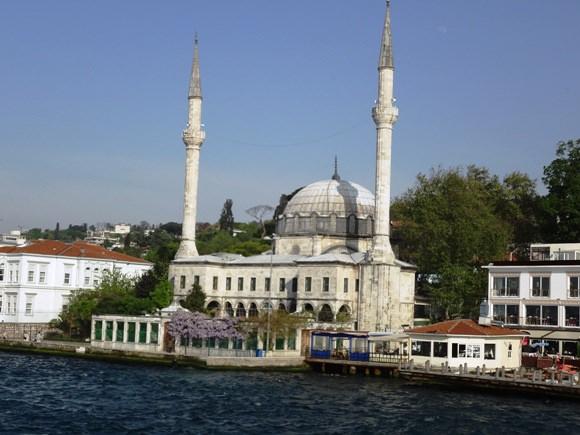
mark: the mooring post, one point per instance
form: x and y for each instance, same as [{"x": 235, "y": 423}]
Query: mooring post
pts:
[
  {"x": 552, "y": 376},
  {"x": 483, "y": 370},
  {"x": 427, "y": 366},
  {"x": 411, "y": 364},
  {"x": 477, "y": 371}
]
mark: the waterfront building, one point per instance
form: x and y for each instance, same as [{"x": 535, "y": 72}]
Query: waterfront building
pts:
[
  {"x": 37, "y": 279},
  {"x": 332, "y": 255},
  {"x": 540, "y": 296},
  {"x": 459, "y": 342}
]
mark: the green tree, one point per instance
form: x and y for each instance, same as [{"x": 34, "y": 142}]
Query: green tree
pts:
[
  {"x": 195, "y": 300},
  {"x": 226, "y": 222},
  {"x": 562, "y": 203},
  {"x": 449, "y": 227}
]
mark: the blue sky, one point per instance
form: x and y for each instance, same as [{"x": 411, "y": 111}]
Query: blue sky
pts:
[{"x": 94, "y": 98}]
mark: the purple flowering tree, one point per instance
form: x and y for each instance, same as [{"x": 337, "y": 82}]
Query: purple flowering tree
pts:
[{"x": 188, "y": 325}]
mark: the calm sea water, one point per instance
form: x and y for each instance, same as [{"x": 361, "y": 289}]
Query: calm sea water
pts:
[{"x": 55, "y": 395}]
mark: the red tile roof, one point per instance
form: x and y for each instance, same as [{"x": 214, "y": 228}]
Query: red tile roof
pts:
[
  {"x": 78, "y": 249},
  {"x": 464, "y": 327}
]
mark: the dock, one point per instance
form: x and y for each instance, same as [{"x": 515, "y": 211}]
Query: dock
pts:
[{"x": 543, "y": 382}]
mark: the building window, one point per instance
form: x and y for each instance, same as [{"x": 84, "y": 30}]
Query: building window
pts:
[
  {"x": 440, "y": 349},
  {"x": 98, "y": 329},
  {"x": 1, "y": 272},
  {"x": 240, "y": 284},
  {"x": 28, "y": 306},
  {"x": 253, "y": 284},
  {"x": 489, "y": 351},
  {"x": 42, "y": 277},
  {"x": 541, "y": 286},
  {"x": 228, "y": 283},
  {"x": 346, "y": 285},
  {"x": 421, "y": 348},
  {"x": 542, "y": 315},
  {"x": 357, "y": 285},
  {"x": 120, "y": 331},
  {"x": 572, "y": 314},
  {"x": 573, "y": 286},
  {"x": 506, "y": 286},
  {"x": 294, "y": 285},
  {"x": 325, "y": 284},
  {"x": 31, "y": 276},
  {"x": 465, "y": 350},
  {"x": 215, "y": 283},
  {"x": 67, "y": 278},
  {"x": 142, "y": 333},
  {"x": 282, "y": 285},
  {"x": 95, "y": 282},
  {"x": 267, "y": 284},
  {"x": 308, "y": 284},
  {"x": 108, "y": 330},
  {"x": 11, "y": 304},
  {"x": 87, "y": 280},
  {"x": 196, "y": 280},
  {"x": 154, "y": 337},
  {"x": 508, "y": 314},
  {"x": 182, "y": 282},
  {"x": 0, "y": 303},
  {"x": 131, "y": 332}
]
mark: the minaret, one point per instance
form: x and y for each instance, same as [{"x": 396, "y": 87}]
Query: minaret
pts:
[
  {"x": 384, "y": 115},
  {"x": 193, "y": 137}
]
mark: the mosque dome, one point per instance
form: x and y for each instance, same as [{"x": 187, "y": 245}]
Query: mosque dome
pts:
[
  {"x": 335, "y": 196},
  {"x": 332, "y": 207}
]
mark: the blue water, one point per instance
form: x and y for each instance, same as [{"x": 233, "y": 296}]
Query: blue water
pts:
[{"x": 56, "y": 395}]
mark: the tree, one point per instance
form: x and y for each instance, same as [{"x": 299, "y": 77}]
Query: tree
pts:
[
  {"x": 562, "y": 203},
  {"x": 226, "y": 222},
  {"x": 195, "y": 300},
  {"x": 449, "y": 227},
  {"x": 258, "y": 212},
  {"x": 57, "y": 231},
  {"x": 188, "y": 325}
]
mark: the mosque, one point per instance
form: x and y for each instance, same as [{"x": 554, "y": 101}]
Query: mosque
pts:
[{"x": 331, "y": 255}]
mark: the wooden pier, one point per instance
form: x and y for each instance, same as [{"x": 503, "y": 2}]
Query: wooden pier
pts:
[
  {"x": 349, "y": 367},
  {"x": 546, "y": 382}
]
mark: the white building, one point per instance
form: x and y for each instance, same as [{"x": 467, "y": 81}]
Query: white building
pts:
[
  {"x": 332, "y": 256},
  {"x": 36, "y": 280},
  {"x": 122, "y": 229},
  {"x": 459, "y": 342},
  {"x": 13, "y": 238},
  {"x": 540, "y": 296}
]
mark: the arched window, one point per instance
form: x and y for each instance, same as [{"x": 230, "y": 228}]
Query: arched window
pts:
[
  {"x": 281, "y": 307},
  {"x": 253, "y": 311},
  {"x": 213, "y": 308},
  {"x": 229, "y": 309},
  {"x": 308, "y": 308},
  {"x": 325, "y": 314},
  {"x": 240, "y": 310}
]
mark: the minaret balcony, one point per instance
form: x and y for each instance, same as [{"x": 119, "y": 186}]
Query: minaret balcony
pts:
[
  {"x": 385, "y": 115},
  {"x": 193, "y": 138}
]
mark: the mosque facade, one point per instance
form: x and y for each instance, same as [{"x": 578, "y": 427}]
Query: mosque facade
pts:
[{"x": 331, "y": 254}]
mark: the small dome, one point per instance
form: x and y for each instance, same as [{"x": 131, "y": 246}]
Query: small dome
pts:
[{"x": 341, "y": 197}]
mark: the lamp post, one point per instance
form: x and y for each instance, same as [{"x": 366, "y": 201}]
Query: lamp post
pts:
[{"x": 272, "y": 238}]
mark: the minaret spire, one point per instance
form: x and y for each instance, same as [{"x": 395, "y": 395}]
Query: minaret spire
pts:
[
  {"x": 335, "y": 176},
  {"x": 385, "y": 115},
  {"x": 193, "y": 137},
  {"x": 386, "y": 56},
  {"x": 195, "y": 79}
]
